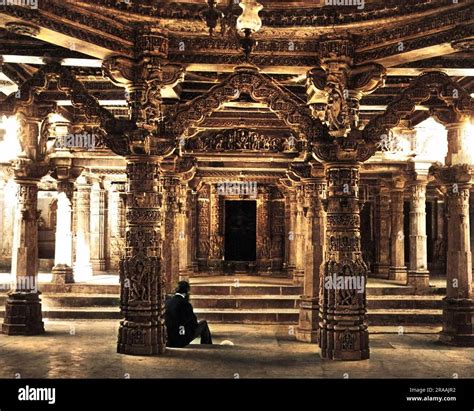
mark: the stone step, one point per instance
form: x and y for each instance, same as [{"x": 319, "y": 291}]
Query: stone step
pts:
[
  {"x": 79, "y": 288},
  {"x": 245, "y": 289},
  {"x": 250, "y": 316},
  {"x": 239, "y": 301},
  {"x": 410, "y": 302},
  {"x": 290, "y": 316},
  {"x": 75, "y": 300},
  {"x": 78, "y": 313},
  {"x": 282, "y": 301},
  {"x": 245, "y": 301}
]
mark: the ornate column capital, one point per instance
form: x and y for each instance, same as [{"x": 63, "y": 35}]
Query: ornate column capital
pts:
[
  {"x": 398, "y": 182},
  {"x": 63, "y": 168},
  {"x": 28, "y": 169},
  {"x": 337, "y": 86},
  {"x": 459, "y": 174},
  {"x": 352, "y": 149}
]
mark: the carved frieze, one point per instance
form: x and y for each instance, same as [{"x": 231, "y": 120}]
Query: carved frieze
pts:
[{"x": 243, "y": 140}]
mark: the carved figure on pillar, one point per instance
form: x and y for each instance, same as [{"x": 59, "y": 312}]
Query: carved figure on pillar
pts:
[{"x": 142, "y": 283}]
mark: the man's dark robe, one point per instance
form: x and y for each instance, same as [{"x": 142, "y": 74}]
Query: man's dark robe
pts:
[{"x": 180, "y": 320}]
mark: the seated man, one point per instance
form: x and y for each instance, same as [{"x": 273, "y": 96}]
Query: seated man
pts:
[{"x": 181, "y": 323}]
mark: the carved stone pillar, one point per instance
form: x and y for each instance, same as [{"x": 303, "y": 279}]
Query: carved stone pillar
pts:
[
  {"x": 418, "y": 274},
  {"x": 8, "y": 216},
  {"x": 82, "y": 265},
  {"x": 62, "y": 270},
  {"x": 471, "y": 223},
  {"x": 115, "y": 225},
  {"x": 397, "y": 270},
  {"x": 170, "y": 185},
  {"x": 192, "y": 228},
  {"x": 183, "y": 230},
  {"x": 342, "y": 301},
  {"x": 98, "y": 211},
  {"x": 383, "y": 228},
  {"x": 308, "y": 324},
  {"x": 458, "y": 306},
  {"x": 298, "y": 275},
  {"x": 142, "y": 285},
  {"x": 187, "y": 231},
  {"x": 216, "y": 239},
  {"x": 291, "y": 235},
  {"x": 263, "y": 231},
  {"x": 343, "y": 328},
  {"x": 23, "y": 307}
]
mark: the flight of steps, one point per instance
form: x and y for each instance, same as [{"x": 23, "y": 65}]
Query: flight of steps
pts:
[
  {"x": 247, "y": 303},
  {"x": 268, "y": 304}
]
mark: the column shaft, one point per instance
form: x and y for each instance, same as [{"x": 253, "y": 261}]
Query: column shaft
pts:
[
  {"x": 141, "y": 283},
  {"x": 216, "y": 239},
  {"x": 308, "y": 323},
  {"x": 62, "y": 270},
  {"x": 299, "y": 237},
  {"x": 418, "y": 274},
  {"x": 343, "y": 328},
  {"x": 98, "y": 227},
  {"x": 82, "y": 265},
  {"x": 397, "y": 270},
  {"x": 383, "y": 229},
  {"x": 23, "y": 308}
]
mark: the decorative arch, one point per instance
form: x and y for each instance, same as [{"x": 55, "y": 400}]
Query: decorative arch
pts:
[
  {"x": 456, "y": 100},
  {"x": 261, "y": 88},
  {"x": 66, "y": 82}
]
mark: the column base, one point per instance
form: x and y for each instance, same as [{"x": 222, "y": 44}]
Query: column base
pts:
[
  {"x": 458, "y": 322},
  {"x": 141, "y": 339},
  {"x": 215, "y": 265},
  {"x": 398, "y": 274},
  {"x": 23, "y": 314},
  {"x": 62, "y": 274},
  {"x": 298, "y": 276},
  {"x": 419, "y": 279},
  {"x": 381, "y": 271},
  {"x": 344, "y": 344},
  {"x": 264, "y": 267},
  {"x": 290, "y": 268},
  {"x": 308, "y": 323},
  {"x": 98, "y": 265}
]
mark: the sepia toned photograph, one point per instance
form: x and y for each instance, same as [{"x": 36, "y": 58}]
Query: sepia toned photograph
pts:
[{"x": 209, "y": 194}]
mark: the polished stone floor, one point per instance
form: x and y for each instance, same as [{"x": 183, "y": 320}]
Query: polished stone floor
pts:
[{"x": 86, "y": 349}]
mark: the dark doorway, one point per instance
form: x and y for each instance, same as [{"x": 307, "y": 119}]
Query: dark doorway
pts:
[{"x": 240, "y": 230}]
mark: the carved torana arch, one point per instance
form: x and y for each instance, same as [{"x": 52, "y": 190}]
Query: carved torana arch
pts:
[
  {"x": 434, "y": 83},
  {"x": 261, "y": 88},
  {"x": 28, "y": 92}
]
